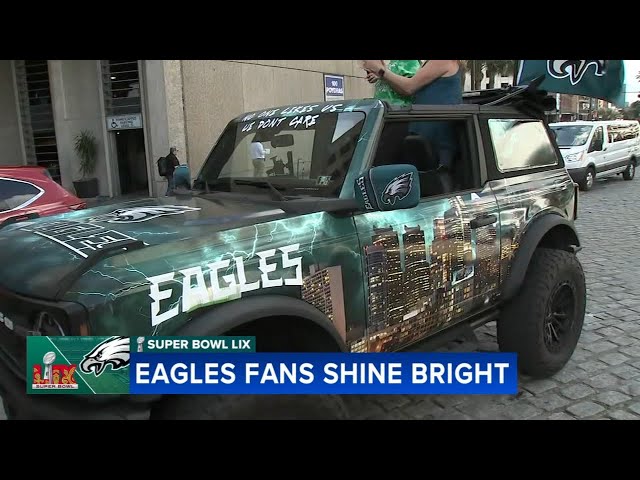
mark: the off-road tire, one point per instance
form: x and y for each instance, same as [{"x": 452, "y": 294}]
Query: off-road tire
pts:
[
  {"x": 251, "y": 407},
  {"x": 586, "y": 184},
  {"x": 630, "y": 172},
  {"x": 522, "y": 325}
]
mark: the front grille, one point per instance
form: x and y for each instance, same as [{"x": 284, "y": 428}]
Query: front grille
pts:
[
  {"x": 13, "y": 351},
  {"x": 22, "y": 316},
  {"x": 31, "y": 316}
]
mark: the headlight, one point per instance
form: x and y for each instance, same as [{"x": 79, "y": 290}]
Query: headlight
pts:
[{"x": 574, "y": 157}]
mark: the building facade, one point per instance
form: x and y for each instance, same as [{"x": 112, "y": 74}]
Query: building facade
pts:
[
  {"x": 137, "y": 109},
  {"x": 570, "y": 108}
]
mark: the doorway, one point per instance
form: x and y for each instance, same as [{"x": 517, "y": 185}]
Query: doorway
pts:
[{"x": 132, "y": 162}]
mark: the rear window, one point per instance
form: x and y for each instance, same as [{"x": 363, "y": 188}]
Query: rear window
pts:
[
  {"x": 15, "y": 194},
  {"x": 521, "y": 144}
]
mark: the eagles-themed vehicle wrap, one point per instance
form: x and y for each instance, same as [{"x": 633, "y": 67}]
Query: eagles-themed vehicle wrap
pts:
[{"x": 350, "y": 252}]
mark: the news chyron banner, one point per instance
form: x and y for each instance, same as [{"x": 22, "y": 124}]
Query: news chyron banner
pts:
[{"x": 230, "y": 365}]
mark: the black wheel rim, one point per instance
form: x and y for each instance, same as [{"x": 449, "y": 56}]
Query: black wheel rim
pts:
[{"x": 560, "y": 317}]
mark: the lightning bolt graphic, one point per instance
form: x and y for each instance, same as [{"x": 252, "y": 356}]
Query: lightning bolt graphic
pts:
[{"x": 128, "y": 279}]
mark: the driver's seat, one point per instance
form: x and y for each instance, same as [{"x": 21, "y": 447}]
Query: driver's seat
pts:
[{"x": 419, "y": 152}]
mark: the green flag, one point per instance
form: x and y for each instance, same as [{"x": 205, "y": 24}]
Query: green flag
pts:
[{"x": 603, "y": 79}]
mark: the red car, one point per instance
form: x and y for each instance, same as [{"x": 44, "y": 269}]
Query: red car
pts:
[{"x": 27, "y": 191}]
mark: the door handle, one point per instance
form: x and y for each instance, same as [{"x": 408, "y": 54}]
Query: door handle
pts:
[{"x": 483, "y": 221}]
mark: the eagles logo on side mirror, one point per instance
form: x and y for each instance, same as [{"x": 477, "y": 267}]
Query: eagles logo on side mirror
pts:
[{"x": 388, "y": 187}]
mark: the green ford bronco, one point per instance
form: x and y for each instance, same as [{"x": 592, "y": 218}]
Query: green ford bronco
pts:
[{"x": 346, "y": 226}]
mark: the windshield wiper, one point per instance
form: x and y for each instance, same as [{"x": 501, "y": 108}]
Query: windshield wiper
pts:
[{"x": 262, "y": 183}]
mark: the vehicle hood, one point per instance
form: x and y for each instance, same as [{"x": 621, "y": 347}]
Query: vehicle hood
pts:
[{"x": 36, "y": 255}]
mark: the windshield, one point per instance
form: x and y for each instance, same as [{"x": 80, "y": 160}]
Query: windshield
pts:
[
  {"x": 572, "y": 135},
  {"x": 307, "y": 154}
]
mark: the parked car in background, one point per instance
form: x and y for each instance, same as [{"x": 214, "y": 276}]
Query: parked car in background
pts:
[
  {"x": 602, "y": 149},
  {"x": 27, "y": 191}
]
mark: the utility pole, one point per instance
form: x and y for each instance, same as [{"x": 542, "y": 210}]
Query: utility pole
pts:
[{"x": 473, "y": 74}]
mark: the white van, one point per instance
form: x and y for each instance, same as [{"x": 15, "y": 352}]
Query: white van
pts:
[{"x": 601, "y": 149}]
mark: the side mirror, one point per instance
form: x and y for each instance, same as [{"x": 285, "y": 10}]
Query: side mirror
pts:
[
  {"x": 388, "y": 187},
  {"x": 596, "y": 147}
]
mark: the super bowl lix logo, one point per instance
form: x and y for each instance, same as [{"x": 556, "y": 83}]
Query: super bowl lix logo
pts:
[{"x": 50, "y": 376}]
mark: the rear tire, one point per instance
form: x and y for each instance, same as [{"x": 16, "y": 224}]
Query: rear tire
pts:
[
  {"x": 630, "y": 172},
  {"x": 251, "y": 407},
  {"x": 543, "y": 323},
  {"x": 589, "y": 180}
]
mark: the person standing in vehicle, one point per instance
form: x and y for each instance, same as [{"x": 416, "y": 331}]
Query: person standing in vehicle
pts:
[
  {"x": 437, "y": 82},
  {"x": 383, "y": 91},
  {"x": 171, "y": 162}
]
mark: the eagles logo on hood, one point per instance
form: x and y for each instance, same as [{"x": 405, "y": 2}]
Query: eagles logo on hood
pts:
[
  {"x": 398, "y": 188},
  {"x": 113, "y": 351},
  {"x": 574, "y": 69},
  {"x": 141, "y": 214}
]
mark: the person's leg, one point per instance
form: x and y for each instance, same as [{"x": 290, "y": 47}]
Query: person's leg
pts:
[
  {"x": 170, "y": 185},
  {"x": 258, "y": 167}
]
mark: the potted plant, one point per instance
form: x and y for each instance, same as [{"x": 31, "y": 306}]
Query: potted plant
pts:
[{"x": 86, "y": 147}]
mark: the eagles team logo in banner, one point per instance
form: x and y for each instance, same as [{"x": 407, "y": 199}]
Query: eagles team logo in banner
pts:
[
  {"x": 602, "y": 79},
  {"x": 82, "y": 365}
]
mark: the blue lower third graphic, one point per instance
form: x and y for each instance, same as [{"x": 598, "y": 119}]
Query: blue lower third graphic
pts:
[{"x": 324, "y": 373}]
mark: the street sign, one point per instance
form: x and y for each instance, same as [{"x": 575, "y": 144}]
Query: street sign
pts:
[
  {"x": 333, "y": 87},
  {"x": 124, "y": 122}
]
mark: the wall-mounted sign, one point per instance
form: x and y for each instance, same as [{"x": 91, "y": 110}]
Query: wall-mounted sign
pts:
[
  {"x": 333, "y": 87},
  {"x": 124, "y": 122}
]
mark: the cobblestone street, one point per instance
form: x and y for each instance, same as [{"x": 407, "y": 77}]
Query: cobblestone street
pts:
[{"x": 602, "y": 381}]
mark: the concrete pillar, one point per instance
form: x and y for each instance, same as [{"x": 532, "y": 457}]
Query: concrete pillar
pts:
[
  {"x": 164, "y": 114},
  {"x": 76, "y": 100},
  {"x": 10, "y": 135}
]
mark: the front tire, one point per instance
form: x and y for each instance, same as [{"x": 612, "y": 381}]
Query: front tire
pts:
[
  {"x": 630, "y": 172},
  {"x": 543, "y": 323},
  {"x": 251, "y": 407},
  {"x": 589, "y": 180}
]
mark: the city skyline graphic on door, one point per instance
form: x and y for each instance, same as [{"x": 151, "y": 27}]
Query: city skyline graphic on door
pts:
[{"x": 422, "y": 269}]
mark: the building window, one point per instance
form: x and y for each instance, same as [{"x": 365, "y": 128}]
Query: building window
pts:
[
  {"x": 36, "y": 110},
  {"x": 121, "y": 83}
]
